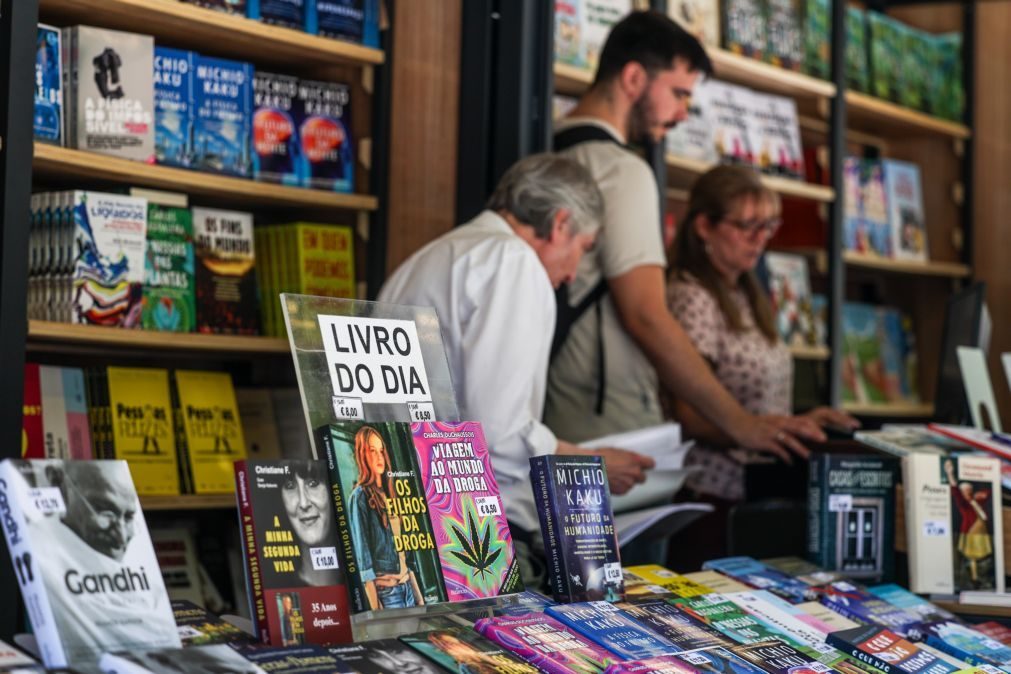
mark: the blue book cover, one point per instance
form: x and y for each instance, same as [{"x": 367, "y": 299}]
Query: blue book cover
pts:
[
  {"x": 351, "y": 20},
  {"x": 753, "y": 573},
  {"x": 277, "y": 149},
  {"x": 609, "y": 627},
  {"x": 675, "y": 625},
  {"x": 48, "y": 115},
  {"x": 286, "y": 13},
  {"x": 861, "y": 606},
  {"x": 222, "y": 110},
  {"x": 293, "y": 659},
  {"x": 887, "y": 651},
  {"x": 902, "y": 598},
  {"x": 324, "y": 130},
  {"x": 173, "y": 106},
  {"x": 965, "y": 643},
  {"x": 574, "y": 504}
]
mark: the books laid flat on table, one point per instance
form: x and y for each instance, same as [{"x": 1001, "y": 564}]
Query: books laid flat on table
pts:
[
  {"x": 863, "y": 607},
  {"x": 462, "y": 650},
  {"x": 383, "y": 656},
  {"x": 546, "y": 643},
  {"x": 611, "y": 628},
  {"x": 753, "y": 573},
  {"x": 198, "y": 627},
  {"x": 214, "y": 659},
  {"x": 664, "y": 579},
  {"x": 887, "y": 651}
]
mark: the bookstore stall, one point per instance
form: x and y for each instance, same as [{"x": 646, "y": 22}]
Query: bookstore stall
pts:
[{"x": 231, "y": 460}]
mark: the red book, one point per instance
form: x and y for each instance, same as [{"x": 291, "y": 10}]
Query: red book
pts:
[
  {"x": 995, "y": 630},
  {"x": 33, "y": 444}
]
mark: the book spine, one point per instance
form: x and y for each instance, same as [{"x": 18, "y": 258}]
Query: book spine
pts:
[
  {"x": 849, "y": 649},
  {"x": 815, "y": 499},
  {"x": 247, "y": 525},
  {"x": 182, "y": 442},
  {"x": 359, "y": 602},
  {"x": 29, "y": 578},
  {"x": 544, "y": 497}
]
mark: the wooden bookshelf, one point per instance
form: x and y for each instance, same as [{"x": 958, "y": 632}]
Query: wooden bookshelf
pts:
[
  {"x": 683, "y": 171},
  {"x": 929, "y": 268},
  {"x": 572, "y": 81},
  {"x": 810, "y": 352},
  {"x": 188, "y": 26},
  {"x": 887, "y": 119},
  {"x": 188, "y": 502},
  {"x": 44, "y": 336},
  {"x": 766, "y": 77},
  {"x": 911, "y": 410},
  {"x": 87, "y": 167}
]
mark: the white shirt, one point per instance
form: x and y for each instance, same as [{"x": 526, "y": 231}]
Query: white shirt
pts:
[{"x": 496, "y": 308}]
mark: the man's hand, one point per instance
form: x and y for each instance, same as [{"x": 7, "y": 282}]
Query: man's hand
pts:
[
  {"x": 625, "y": 469},
  {"x": 776, "y": 435},
  {"x": 829, "y": 416}
]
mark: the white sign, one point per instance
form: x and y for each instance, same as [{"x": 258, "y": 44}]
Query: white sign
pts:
[
  {"x": 840, "y": 503},
  {"x": 348, "y": 409},
  {"x": 323, "y": 559},
  {"x": 47, "y": 500},
  {"x": 487, "y": 506},
  {"x": 935, "y": 528},
  {"x": 612, "y": 573},
  {"x": 604, "y": 606},
  {"x": 378, "y": 360},
  {"x": 421, "y": 411}
]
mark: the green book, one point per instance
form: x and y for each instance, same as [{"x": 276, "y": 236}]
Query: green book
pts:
[{"x": 169, "y": 276}]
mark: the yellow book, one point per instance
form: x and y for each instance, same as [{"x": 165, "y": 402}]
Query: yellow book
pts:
[
  {"x": 141, "y": 413},
  {"x": 662, "y": 577},
  {"x": 717, "y": 581},
  {"x": 325, "y": 259},
  {"x": 212, "y": 428}
]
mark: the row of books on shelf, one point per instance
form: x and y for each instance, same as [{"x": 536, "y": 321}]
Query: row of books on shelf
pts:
[
  {"x": 351, "y": 20},
  {"x": 119, "y": 94},
  {"x": 884, "y": 215},
  {"x": 151, "y": 262},
  {"x": 884, "y": 57}
]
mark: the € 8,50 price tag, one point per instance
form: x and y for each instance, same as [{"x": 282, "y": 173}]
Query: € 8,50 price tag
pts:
[
  {"x": 421, "y": 411},
  {"x": 487, "y": 506},
  {"x": 47, "y": 500},
  {"x": 935, "y": 528},
  {"x": 323, "y": 559},
  {"x": 348, "y": 409}
]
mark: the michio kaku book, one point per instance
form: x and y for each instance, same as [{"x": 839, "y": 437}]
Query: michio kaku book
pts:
[
  {"x": 383, "y": 656},
  {"x": 574, "y": 504},
  {"x": 199, "y": 627},
  {"x": 47, "y": 120},
  {"x": 715, "y": 660},
  {"x": 226, "y": 282},
  {"x": 83, "y": 560},
  {"x": 684, "y": 631},
  {"x": 110, "y": 92},
  {"x": 609, "y": 627},
  {"x": 753, "y": 573},
  {"x": 294, "y": 577},
  {"x": 222, "y": 114},
  {"x": 276, "y": 146},
  {"x": 887, "y": 651},
  {"x": 467, "y": 513},
  {"x": 324, "y": 131},
  {"x": 214, "y": 659},
  {"x": 464, "y": 651},
  {"x": 173, "y": 106},
  {"x": 953, "y": 523},
  {"x": 851, "y": 514},
  {"x": 390, "y": 555},
  {"x": 169, "y": 297},
  {"x": 546, "y": 644},
  {"x": 776, "y": 657},
  {"x": 110, "y": 233},
  {"x": 209, "y": 429}
]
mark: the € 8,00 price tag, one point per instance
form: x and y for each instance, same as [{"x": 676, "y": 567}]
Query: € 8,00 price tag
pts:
[
  {"x": 348, "y": 409},
  {"x": 487, "y": 506},
  {"x": 421, "y": 411},
  {"x": 47, "y": 500},
  {"x": 323, "y": 559}
]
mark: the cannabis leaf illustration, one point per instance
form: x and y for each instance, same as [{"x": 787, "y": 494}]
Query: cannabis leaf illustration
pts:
[{"x": 476, "y": 548}]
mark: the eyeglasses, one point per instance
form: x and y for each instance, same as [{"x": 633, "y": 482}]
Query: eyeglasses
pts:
[
  {"x": 106, "y": 518},
  {"x": 751, "y": 227}
]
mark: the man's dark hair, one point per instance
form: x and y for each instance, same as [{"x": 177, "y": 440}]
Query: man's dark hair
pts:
[{"x": 653, "y": 40}]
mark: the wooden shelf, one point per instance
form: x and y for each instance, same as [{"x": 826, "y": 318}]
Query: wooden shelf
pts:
[
  {"x": 684, "y": 171},
  {"x": 43, "y": 335},
  {"x": 766, "y": 77},
  {"x": 188, "y": 502},
  {"x": 929, "y": 268},
  {"x": 187, "y": 26},
  {"x": 890, "y": 409},
  {"x": 888, "y": 119},
  {"x": 64, "y": 163},
  {"x": 571, "y": 80},
  {"x": 810, "y": 352}
]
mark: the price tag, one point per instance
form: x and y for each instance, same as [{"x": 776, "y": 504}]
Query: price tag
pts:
[
  {"x": 935, "y": 528},
  {"x": 348, "y": 409},
  {"x": 840, "y": 503},
  {"x": 665, "y": 573},
  {"x": 695, "y": 658},
  {"x": 47, "y": 500},
  {"x": 487, "y": 506},
  {"x": 824, "y": 649},
  {"x": 612, "y": 573},
  {"x": 604, "y": 606},
  {"x": 188, "y": 632},
  {"x": 421, "y": 411},
  {"x": 323, "y": 559}
]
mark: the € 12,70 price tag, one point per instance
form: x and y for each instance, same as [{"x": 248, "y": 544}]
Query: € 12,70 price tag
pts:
[
  {"x": 348, "y": 409},
  {"x": 612, "y": 572},
  {"x": 323, "y": 559},
  {"x": 47, "y": 500},
  {"x": 487, "y": 506},
  {"x": 421, "y": 411}
]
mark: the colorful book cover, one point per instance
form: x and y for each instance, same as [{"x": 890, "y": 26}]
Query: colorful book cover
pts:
[
  {"x": 464, "y": 651},
  {"x": 823, "y": 614},
  {"x": 817, "y": 29},
  {"x": 110, "y": 92},
  {"x": 325, "y": 259},
  {"x": 953, "y": 523},
  {"x": 173, "y": 106},
  {"x": 276, "y": 146},
  {"x": 784, "y": 39},
  {"x": 383, "y": 656},
  {"x": 83, "y": 559},
  {"x": 195, "y": 660},
  {"x": 351, "y": 20},
  {"x": 546, "y": 644},
  {"x": 662, "y": 664},
  {"x": 857, "y": 68},
  {"x": 75, "y": 407},
  {"x": 656, "y": 575},
  {"x": 675, "y": 625},
  {"x": 327, "y": 160},
  {"x": 140, "y": 406},
  {"x": 715, "y": 661},
  {"x": 995, "y": 630},
  {"x": 790, "y": 290},
  {"x": 574, "y": 505},
  {"x": 877, "y": 236},
  {"x": 47, "y": 118},
  {"x": 969, "y": 645},
  {"x": 730, "y": 620},
  {"x": 863, "y": 607},
  {"x": 744, "y": 28},
  {"x": 569, "y": 46},
  {"x": 170, "y": 272},
  {"x": 222, "y": 114},
  {"x": 391, "y": 556},
  {"x": 753, "y": 573},
  {"x": 110, "y": 232},
  {"x": 731, "y": 121},
  {"x": 467, "y": 513},
  {"x": 947, "y": 91},
  {"x": 887, "y": 651},
  {"x": 598, "y": 18},
  {"x": 693, "y": 137},
  {"x": 802, "y": 570},
  {"x": 775, "y": 657},
  {"x": 854, "y": 230},
  {"x": 774, "y": 134},
  {"x": 875, "y": 367},
  {"x": 918, "y": 65},
  {"x": 612, "y": 629},
  {"x": 225, "y": 280},
  {"x": 886, "y": 44},
  {"x": 904, "y": 196},
  {"x": 286, "y": 13},
  {"x": 293, "y": 659},
  {"x": 851, "y": 514},
  {"x": 294, "y": 575},
  {"x": 198, "y": 627},
  {"x": 701, "y": 18},
  {"x": 212, "y": 429}
]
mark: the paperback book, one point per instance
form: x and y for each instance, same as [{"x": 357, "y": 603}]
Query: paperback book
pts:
[
  {"x": 731, "y": 122},
  {"x": 776, "y": 657},
  {"x": 911, "y": 603},
  {"x": 612, "y": 629},
  {"x": 577, "y": 523},
  {"x": 222, "y": 110},
  {"x": 863, "y": 607},
  {"x": 803, "y": 570},
  {"x": 175, "y": 548},
  {"x": 753, "y": 573},
  {"x": 324, "y": 131},
  {"x": 173, "y": 111},
  {"x": 790, "y": 288},
  {"x": 693, "y": 137},
  {"x": 293, "y": 659},
  {"x": 214, "y": 659},
  {"x": 383, "y": 656},
  {"x": 351, "y": 20},
  {"x": 784, "y": 39},
  {"x": 464, "y": 651},
  {"x": 546, "y": 644},
  {"x": 961, "y": 641},
  {"x": 857, "y": 66},
  {"x": 884, "y": 34},
  {"x": 775, "y": 135},
  {"x": 701, "y": 18},
  {"x": 905, "y": 210},
  {"x": 47, "y": 117},
  {"x": 711, "y": 660},
  {"x": 83, "y": 560},
  {"x": 286, "y": 13},
  {"x": 817, "y": 24},
  {"x": 209, "y": 429},
  {"x": 729, "y": 619},
  {"x": 225, "y": 279},
  {"x": 65, "y": 433},
  {"x": 887, "y": 651},
  {"x": 656, "y": 575},
  {"x": 276, "y": 145},
  {"x": 744, "y": 28},
  {"x": 169, "y": 299},
  {"x": 198, "y": 627},
  {"x": 678, "y": 627}
]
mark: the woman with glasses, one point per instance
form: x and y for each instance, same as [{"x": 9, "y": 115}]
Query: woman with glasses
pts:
[{"x": 715, "y": 295}]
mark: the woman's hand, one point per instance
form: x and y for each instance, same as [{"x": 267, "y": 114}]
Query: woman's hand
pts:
[{"x": 829, "y": 416}]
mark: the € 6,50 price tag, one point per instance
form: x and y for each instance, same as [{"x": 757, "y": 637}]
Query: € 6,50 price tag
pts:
[
  {"x": 348, "y": 409},
  {"x": 323, "y": 559},
  {"x": 421, "y": 411},
  {"x": 47, "y": 500},
  {"x": 487, "y": 506}
]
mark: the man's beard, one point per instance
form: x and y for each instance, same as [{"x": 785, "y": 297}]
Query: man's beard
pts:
[{"x": 640, "y": 123}]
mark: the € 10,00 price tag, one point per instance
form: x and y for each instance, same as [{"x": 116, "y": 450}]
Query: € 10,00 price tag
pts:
[
  {"x": 487, "y": 506},
  {"x": 348, "y": 409},
  {"x": 323, "y": 559}
]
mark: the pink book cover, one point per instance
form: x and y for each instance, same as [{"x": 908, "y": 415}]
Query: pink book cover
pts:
[
  {"x": 545, "y": 643},
  {"x": 466, "y": 510},
  {"x": 76, "y": 405}
]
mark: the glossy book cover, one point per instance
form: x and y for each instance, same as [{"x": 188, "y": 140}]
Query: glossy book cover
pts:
[
  {"x": 609, "y": 627},
  {"x": 464, "y": 651},
  {"x": 755, "y": 574},
  {"x": 686, "y": 632},
  {"x": 546, "y": 643},
  {"x": 776, "y": 657},
  {"x": 467, "y": 513},
  {"x": 859, "y": 605},
  {"x": 887, "y": 651}
]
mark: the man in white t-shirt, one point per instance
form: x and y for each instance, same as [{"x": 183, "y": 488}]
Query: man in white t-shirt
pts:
[
  {"x": 605, "y": 375},
  {"x": 492, "y": 283}
]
